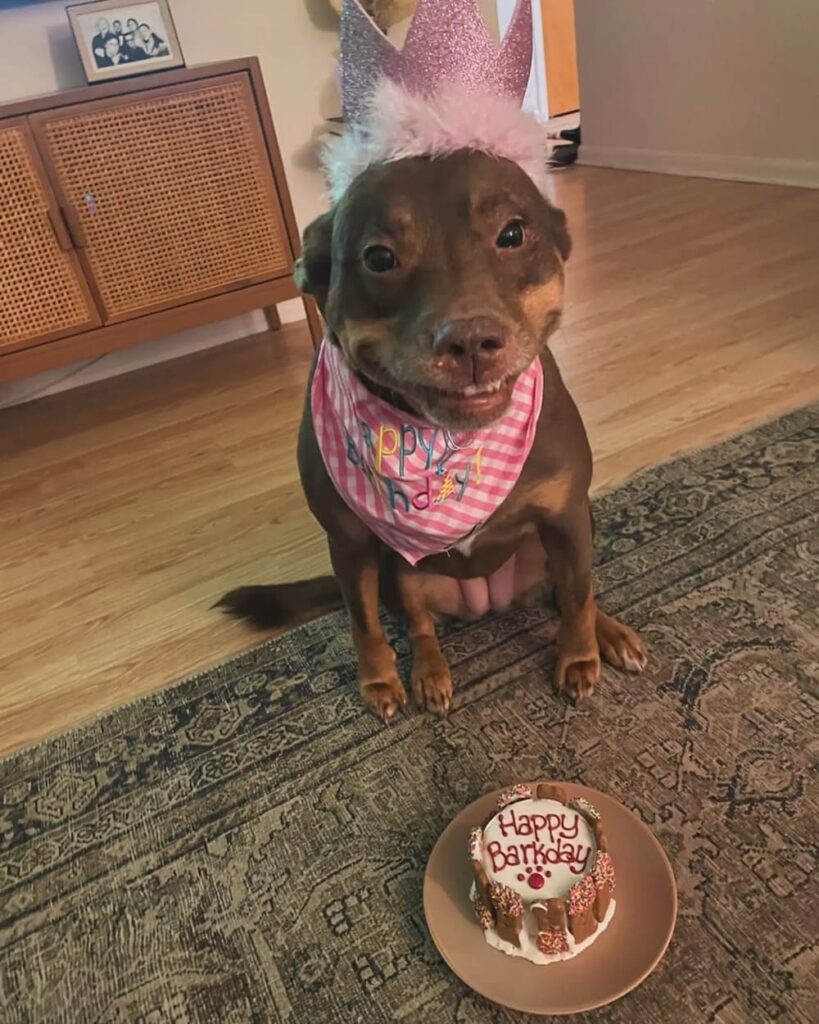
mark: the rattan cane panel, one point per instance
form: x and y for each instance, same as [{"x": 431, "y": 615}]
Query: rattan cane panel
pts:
[
  {"x": 173, "y": 194},
  {"x": 40, "y": 294}
]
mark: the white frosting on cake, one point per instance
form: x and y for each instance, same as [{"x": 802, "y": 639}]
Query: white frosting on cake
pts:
[{"x": 540, "y": 849}]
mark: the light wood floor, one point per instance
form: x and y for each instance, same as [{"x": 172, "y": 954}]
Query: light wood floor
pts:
[{"x": 128, "y": 507}]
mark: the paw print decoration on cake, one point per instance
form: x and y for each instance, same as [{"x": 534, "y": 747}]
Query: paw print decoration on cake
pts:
[
  {"x": 543, "y": 876},
  {"x": 535, "y": 878}
]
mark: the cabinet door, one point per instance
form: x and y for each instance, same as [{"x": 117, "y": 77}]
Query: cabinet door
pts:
[
  {"x": 42, "y": 292},
  {"x": 168, "y": 193}
]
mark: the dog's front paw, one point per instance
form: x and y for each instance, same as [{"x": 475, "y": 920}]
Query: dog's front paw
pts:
[
  {"x": 384, "y": 697},
  {"x": 576, "y": 675},
  {"x": 620, "y": 645},
  {"x": 431, "y": 678}
]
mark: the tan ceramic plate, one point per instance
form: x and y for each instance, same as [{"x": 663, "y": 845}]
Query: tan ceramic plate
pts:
[{"x": 624, "y": 955}]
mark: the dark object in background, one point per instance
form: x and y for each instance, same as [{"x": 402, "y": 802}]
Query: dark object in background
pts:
[{"x": 563, "y": 155}]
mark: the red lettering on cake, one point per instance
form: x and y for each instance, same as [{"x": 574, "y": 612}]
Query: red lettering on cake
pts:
[
  {"x": 506, "y": 826},
  {"x": 575, "y": 855},
  {"x": 529, "y": 851},
  {"x": 550, "y": 843},
  {"x": 537, "y": 825},
  {"x": 496, "y": 852}
]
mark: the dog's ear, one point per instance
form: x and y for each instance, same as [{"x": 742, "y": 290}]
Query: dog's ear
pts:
[
  {"x": 563, "y": 241},
  {"x": 313, "y": 268}
]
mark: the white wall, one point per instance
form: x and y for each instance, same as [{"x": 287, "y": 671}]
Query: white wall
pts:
[
  {"x": 720, "y": 88},
  {"x": 296, "y": 42},
  {"x": 536, "y": 100}
]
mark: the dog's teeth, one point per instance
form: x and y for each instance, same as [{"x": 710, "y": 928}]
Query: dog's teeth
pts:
[{"x": 482, "y": 389}]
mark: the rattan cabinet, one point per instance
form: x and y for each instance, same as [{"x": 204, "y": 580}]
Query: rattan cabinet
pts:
[
  {"x": 133, "y": 210},
  {"x": 43, "y": 292}
]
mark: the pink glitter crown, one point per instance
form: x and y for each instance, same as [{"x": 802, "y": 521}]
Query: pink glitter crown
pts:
[{"x": 447, "y": 43}]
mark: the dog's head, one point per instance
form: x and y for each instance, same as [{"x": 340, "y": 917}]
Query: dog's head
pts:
[{"x": 441, "y": 279}]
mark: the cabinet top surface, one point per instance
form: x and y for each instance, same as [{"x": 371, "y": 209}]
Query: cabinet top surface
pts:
[{"x": 123, "y": 86}]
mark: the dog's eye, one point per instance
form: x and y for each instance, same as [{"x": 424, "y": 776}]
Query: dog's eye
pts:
[
  {"x": 512, "y": 236},
  {"x": 379, "y": 259}
]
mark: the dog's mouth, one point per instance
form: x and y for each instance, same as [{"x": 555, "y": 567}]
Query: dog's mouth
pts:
[
  {"x": 479, "y": 402},
  {"x": 447, "y": 405}
]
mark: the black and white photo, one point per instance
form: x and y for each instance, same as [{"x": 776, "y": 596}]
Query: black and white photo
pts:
[{"x": 118, "y": 39}]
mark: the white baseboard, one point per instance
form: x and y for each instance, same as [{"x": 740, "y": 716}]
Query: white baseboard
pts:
[
  {"x": 767, "y": 170},
  {"x": 89, "y": 371}
]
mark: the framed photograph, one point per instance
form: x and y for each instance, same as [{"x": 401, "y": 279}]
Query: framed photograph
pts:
[{"x": 117, "y": 40}]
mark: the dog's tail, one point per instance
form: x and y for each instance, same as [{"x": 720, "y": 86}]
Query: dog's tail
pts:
[{"x": 283, "y": 604}]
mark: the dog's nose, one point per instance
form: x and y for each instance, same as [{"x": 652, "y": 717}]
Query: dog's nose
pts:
[{"x": 477, "y": 339}]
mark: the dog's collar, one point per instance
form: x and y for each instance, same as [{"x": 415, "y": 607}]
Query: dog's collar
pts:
[{"x": 419, "y": 488}]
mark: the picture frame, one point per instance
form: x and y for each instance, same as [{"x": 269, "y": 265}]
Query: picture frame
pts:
[{"x": 123, "y": 38}]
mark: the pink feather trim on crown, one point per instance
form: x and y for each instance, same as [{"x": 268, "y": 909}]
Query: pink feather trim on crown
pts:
[{"x": 399, "y": 124}]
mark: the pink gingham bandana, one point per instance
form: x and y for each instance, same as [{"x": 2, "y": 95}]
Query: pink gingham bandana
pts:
[{"x": 418, "y": 487}]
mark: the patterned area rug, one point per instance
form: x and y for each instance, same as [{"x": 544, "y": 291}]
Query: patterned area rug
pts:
[{"x": 249, "y": 846}]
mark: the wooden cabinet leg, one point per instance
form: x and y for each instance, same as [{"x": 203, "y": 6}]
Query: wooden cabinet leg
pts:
[{"x": 272, "y": 315}]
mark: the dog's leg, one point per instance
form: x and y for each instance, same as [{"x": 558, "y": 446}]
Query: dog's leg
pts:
[
  {"x": 431, "y": 678},
  {"x": 356, "y": 568},
  {"x": 619, "y": 644},
  {"x": 567, "y": 538}
]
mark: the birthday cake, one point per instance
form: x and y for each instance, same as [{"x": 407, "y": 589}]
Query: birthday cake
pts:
[{"x": 543, "y": 878}]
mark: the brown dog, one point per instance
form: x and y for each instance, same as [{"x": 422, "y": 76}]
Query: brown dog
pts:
[{"x": 441, "y": 280}]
